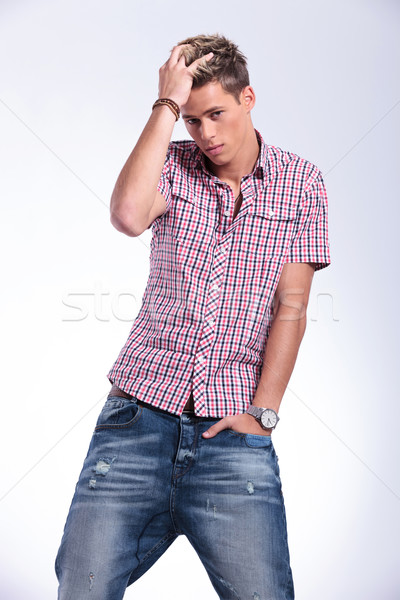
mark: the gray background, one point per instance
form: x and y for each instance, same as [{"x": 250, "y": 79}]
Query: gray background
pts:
[{"x": 77, "y": 83}]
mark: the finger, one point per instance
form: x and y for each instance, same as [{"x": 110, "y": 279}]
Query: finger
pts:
[
  {"x": 193, "y": 66},
  {"x": 176, "y": 53},
  {"x": 215, "y": 429}
]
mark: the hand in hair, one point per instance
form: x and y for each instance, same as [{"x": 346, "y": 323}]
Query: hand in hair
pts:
[{"x": 176, "y": 78}]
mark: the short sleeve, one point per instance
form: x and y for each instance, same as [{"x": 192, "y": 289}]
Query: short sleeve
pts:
[
  {"x": 310, "y": 242},
  {"x": 164, "y": 185}
]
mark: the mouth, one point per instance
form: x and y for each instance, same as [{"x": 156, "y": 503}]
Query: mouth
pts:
[{"x": 213, "y": 150}]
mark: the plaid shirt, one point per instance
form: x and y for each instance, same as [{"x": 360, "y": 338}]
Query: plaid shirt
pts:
[{"x": 207, "y": 307}]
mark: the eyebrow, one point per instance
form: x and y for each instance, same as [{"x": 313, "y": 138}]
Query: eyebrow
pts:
[{"x": 206, "y": 112}]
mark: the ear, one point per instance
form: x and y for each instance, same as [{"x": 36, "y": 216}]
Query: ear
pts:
[{"x": 248, "y": 97}]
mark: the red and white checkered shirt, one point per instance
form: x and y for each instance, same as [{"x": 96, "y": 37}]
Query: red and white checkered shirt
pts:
[{"x": 207, "y": 306}]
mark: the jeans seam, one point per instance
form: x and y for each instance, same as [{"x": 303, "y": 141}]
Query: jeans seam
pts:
[
  {"x": 172, "y": 507},
  {"x": 160, "y": 543},
  {"x": 289, "y": 583}
]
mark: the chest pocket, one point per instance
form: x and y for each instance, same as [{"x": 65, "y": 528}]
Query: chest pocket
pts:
[
  {"x": 191, "y": 230},
  {"x": 182, "y": 219},
  {"x": 267, "y": 231}
]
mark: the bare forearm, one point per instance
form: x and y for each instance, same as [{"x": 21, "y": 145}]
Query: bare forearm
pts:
[
  {"x": 280, "y": 356},
  {"x": 135, "y": 190}
]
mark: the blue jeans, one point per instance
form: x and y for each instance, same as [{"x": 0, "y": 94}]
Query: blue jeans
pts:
[{"x": 148, "y": 477}]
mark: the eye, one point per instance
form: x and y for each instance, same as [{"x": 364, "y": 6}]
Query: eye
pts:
[
  {"x": 191, "y": 121},
  {"x": 216, "y": 114}
]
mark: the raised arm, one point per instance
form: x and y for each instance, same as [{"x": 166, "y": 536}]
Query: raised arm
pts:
[{"x": 135, "y": 201}]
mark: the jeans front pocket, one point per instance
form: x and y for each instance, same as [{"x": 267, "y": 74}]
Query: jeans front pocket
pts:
[
  {"x": 257, "y": 441},
  {"x": 118, "y": 413}
]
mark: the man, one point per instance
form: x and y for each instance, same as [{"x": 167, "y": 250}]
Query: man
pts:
[{"x": 183, "y": 444}]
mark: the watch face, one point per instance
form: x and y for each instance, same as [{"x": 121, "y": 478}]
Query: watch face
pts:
[{"x": 269, "y": 418}]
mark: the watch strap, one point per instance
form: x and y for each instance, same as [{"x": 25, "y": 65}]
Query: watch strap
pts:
[{"x": 255, "y": 411}]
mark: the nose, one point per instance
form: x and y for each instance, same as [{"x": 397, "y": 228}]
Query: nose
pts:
[{"x": 207, "y": 131}]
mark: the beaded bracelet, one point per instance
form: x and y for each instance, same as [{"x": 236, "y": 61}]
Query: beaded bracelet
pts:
[{"x": 171, "y": 105}]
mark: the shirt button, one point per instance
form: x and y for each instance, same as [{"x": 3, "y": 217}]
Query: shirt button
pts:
[
  {"x": 215, "y": 287},
  {"x": 271, "y": 213},
  {"x": 227, "y": 213},
  {"x": 201, "y": 359}
]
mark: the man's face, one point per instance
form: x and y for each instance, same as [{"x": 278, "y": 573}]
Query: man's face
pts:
[{"x": 217, "y": 122}]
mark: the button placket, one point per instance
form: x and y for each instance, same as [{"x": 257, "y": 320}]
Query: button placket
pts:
[{"x": 210, "y": 316}]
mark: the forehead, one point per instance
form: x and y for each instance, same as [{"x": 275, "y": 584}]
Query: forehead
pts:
[{"x": 207, "y": 96}]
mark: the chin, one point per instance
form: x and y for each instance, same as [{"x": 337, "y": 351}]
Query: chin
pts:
[{"x": 219, "y": 160}]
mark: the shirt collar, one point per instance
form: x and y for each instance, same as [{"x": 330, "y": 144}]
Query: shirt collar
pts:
[{"x": 262, "y": 161}]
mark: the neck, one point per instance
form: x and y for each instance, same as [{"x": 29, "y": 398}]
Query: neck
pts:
[{"x": 242, "y": 163}]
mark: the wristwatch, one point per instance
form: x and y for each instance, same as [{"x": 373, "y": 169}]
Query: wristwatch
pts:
[{"x": 267, "y": 417}]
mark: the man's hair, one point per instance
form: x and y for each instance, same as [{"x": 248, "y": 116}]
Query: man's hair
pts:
[{"x": 228, "y": 66}]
